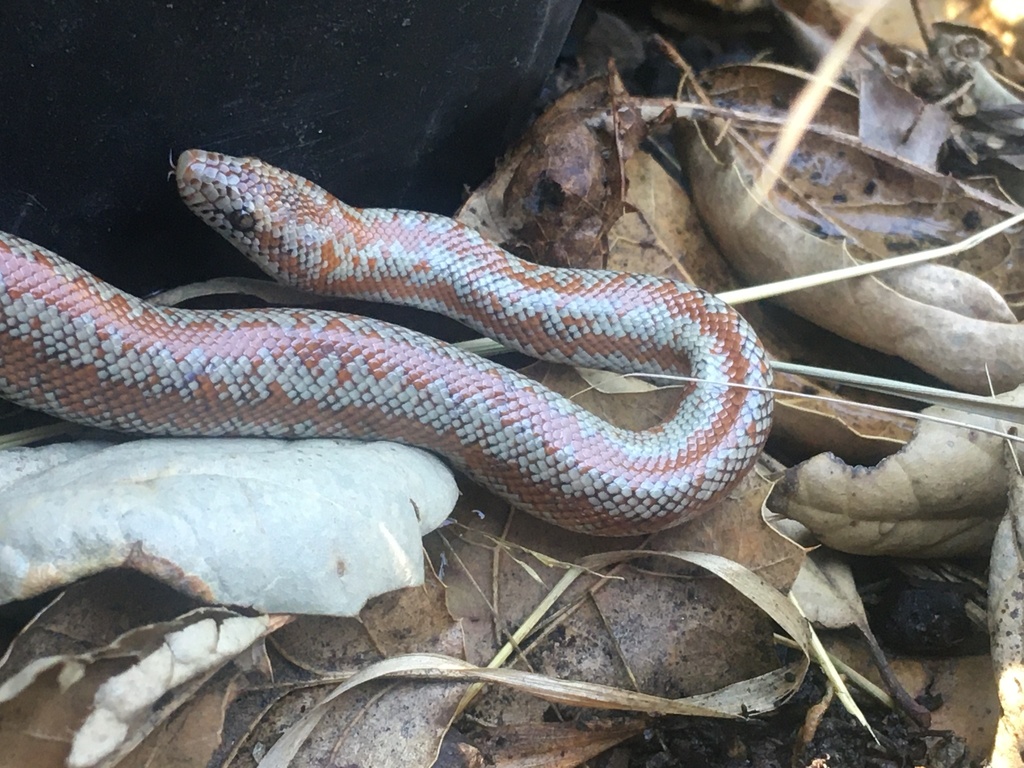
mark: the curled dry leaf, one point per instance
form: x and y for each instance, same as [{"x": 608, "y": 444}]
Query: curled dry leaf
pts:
[
  {"x": 91, "y": 709},
  {"x": 562, "y": 188},
  {"x": 940, "y": 496},
  {"x": 839, "y": 198},
  {"x": 1006, "y": 627},
  {"x": 860, "y": 436},
  {"x": 315, "y": 526}
]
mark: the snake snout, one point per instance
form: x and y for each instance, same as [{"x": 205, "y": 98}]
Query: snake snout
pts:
[
  {"x": 188, "y": 160},
  {"x": 200, "y": 184},
  {"x": 212, "y": 186}
]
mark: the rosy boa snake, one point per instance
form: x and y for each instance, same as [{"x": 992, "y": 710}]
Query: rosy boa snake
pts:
[{"x": 78, "y": 348}]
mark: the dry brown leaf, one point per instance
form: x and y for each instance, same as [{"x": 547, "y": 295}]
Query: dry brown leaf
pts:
[
  {"x": 558, "y": 193},
  {"x": 646, "y": 223},
  {"x": 1006, "y": 623},
  {"x": 92, "y": 708},
  {"x": 660, "y": 233},
  {"x": 941, "y": 495},
  {"x": 839, "y": 197},
  {"x": 828, "y": 594},
  {"x": 358, "y": 726},
  {"x": 843, "y": 428},
  {"x": 554, "y": 745}
]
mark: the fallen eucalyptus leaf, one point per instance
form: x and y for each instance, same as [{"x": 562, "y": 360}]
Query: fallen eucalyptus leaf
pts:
[
  {"x": 557, "y": 194},
  {"x": 315, "y": 526},
  {"x": 940, "y": 496},
  {"x": 861, "y": 436},
  {"x": 951, "y": 289},
  {"x": 828, "y": 594},
  {"x": 841, "y": 201}
]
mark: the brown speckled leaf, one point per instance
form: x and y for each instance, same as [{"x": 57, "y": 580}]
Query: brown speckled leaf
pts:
[{"x": 839, "y": 198}]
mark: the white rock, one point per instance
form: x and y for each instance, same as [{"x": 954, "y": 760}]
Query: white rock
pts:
[{"x": 312, "y": 526}]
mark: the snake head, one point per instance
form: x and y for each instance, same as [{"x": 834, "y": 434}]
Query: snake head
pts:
[{"x": 273, "y": 216}]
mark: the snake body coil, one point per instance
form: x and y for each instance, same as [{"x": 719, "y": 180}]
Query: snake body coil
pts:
[{"x": 78, "y": 348}]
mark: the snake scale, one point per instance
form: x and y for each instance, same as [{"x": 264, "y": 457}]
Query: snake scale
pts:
[{"x": 79, "y": 348}]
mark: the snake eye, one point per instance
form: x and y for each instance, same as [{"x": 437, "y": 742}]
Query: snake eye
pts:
[{"x": 241, "y": 221}]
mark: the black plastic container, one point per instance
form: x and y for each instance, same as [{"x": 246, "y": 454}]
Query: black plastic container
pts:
[{"x": 399, "y": 103}]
